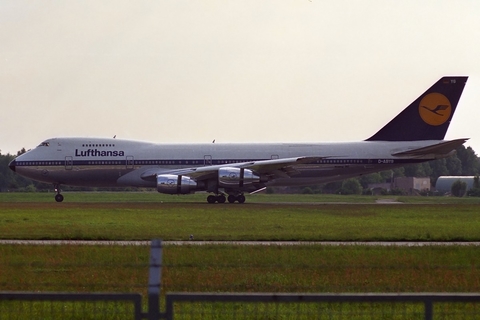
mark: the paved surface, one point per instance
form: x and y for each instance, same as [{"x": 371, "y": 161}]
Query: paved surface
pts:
[{"x": 238, "y": 243}]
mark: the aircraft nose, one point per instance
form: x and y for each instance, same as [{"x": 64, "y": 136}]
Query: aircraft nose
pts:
[{"x": 12, "y": 165}]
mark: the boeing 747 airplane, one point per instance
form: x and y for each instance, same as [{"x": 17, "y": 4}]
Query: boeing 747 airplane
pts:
[{"x": 228, "y": 171}]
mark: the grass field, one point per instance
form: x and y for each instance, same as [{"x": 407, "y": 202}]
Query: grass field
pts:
[
  {"x": 242, "y": 269},
  {"x": 239, "y": 268},
  {"x": 119, "y": 217},
  {"x": 316, "y": 269}
]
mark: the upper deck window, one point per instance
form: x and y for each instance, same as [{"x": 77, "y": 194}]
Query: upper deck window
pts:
[{"x": 86, "y": 145}]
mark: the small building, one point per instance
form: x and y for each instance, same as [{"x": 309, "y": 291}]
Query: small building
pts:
[
  {"x": 409, "y": 185},
  {"x": 378, "y": 188},
  {"x": 412, "y": 185},
  {"x": 444, "y": 183}
]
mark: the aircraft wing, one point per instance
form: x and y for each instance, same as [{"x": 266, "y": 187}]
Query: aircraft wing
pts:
[
  {"x": 440, "y": 149},
  {"x": 273, "y": 167}
]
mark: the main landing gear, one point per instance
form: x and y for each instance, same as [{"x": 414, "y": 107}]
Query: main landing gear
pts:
[
  {"x": 239, "y": 198},
  {"x": 58, "y": 196},
  {"x": 220, "y": 198}
]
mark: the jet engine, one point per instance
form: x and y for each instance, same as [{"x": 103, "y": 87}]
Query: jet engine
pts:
[
  {"x": 236, "y": 177},
  {"x": 174, "y": 184}
]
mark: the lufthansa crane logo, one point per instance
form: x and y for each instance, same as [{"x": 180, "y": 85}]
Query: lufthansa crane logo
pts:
[{"x": 435, "y": 109}]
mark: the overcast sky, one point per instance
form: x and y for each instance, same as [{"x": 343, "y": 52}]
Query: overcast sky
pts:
[{"x": 234, "y": 71}]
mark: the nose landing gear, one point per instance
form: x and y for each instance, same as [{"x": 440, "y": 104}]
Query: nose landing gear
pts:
[{"x": 58, "y": 196}]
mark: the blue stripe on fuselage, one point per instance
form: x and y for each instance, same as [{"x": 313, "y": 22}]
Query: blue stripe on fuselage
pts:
[{"x": 201, "y": 162}]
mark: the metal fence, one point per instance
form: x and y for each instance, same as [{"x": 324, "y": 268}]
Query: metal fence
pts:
[
  {"x": 241, "y": 306},
  {"x": 321, "y": 306},
  {"x": 30, "y": 305}
]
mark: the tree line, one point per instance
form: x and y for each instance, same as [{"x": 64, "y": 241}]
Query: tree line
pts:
[{"x": 463, "y": 163}]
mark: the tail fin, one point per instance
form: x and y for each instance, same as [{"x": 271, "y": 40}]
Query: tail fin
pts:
[{"x": 428, "y": 117}]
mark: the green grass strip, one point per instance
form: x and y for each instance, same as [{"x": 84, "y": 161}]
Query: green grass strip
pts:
[{"x": 261, "y": 221}]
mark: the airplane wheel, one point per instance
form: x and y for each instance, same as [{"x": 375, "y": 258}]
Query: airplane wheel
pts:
[
  {"x": 58, "y": 197},
  {"x": 241, "y": 198},
  {"x": 232, "y": 198},
  {"x": 211, "y": 199},
  {"x": 221, "y": 198}
]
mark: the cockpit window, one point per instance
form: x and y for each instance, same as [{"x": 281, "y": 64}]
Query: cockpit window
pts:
[{"x": 44, "y": 144}]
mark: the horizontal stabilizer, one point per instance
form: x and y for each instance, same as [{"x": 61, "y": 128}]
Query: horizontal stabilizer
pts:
[{"x": 443, "y": 148}]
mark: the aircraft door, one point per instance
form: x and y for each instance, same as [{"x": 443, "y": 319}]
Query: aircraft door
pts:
[
  {"x": 68, "y": 163},
  {"x": 130, "y": 162},
  {"x": 207, "y": 160}
]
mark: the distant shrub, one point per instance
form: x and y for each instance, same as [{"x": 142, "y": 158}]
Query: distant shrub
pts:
[
  {"x": 307, "y": 190},
  {"x": 459, "y": 188},
  {"x": 474, "y": 192},
  {"x": 30, "y": 188},
  {"x": 351, "y": 186}
]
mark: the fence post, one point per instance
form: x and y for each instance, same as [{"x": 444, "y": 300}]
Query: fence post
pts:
[
  {"x": 429, "y": 309},
  {"x": 154, "y": 279}
]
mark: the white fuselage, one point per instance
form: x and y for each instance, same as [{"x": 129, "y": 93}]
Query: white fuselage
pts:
[{"x": 114, "y": 162}]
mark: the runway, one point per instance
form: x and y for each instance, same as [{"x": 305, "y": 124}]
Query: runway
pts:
[{"x": 238, "y": 243}]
